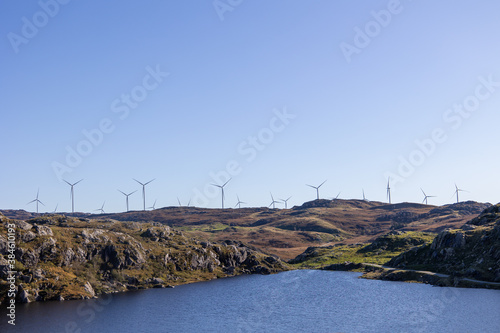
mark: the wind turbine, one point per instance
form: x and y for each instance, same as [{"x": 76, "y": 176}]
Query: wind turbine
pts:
[
  {"x": 239, "y": 202},
  {"x": 72, "y": 194},
  {"x": 458, "y": 190},
  {"x": 36, "y": 200},
  {"x": 222, "y": 188},
  {"x": 426, "y": 196},
  {"x": 286, "y": 202},
  {"x": 127, "y": 195},
  {"x": 274, "y": 202},
  {"x": 144, "y": 191},
  {"x": 179, "y": 202},
  {"x": 389, "y": 190},
  {"x": 101, "y": 209},
  {"x": 55, "y": 210},
  {"x": 336, "y": 198},
  {"x": 317, "y": 189},
  {"x": 153, "y": 207},
  {"x": 364, "y": 198}
]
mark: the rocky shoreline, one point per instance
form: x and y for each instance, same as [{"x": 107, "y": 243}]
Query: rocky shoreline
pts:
[
  {"x": 62, "y": 258},
  {"x": 378, "y": 272}
]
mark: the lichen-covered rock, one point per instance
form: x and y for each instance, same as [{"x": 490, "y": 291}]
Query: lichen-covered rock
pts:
[
  {"x": 43, "y": 230},
  {"x": 60, "y": 260}
]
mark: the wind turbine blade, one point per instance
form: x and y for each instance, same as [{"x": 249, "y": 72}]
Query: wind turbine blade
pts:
[
  {"x": 422, "y": 191},
  {"x": 77, "y": 182},
  {"x": 31, "y": 202},
  {"x": 121, "y": 192},
  {"x": 132, "y": 192},
  {"x": 149, "y": 182},
  {"x": 322, "y": 184},
  {"x": 41, "y": 202},
  {"x": 311, "y": 186},
  {"x": 67, "y": 182},
  {"x": 217, "y": 185},
  {"x": 226, "y": 182},
  {"x": 138, "y": 181}
]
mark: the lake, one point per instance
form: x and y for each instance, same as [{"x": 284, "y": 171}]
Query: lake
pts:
[{"x": 295, "y": 301}]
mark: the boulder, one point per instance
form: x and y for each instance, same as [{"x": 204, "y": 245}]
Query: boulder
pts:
[
  {"x": 43, "y": 230},
  {"x": 23, "y": 225},
  {"x": 88, "y": 288}
]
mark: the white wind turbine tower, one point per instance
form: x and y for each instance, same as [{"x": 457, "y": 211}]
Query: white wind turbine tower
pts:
[
  {"x": 364, "y": 198},
  {"x": 36, "y": 200},
  {"x": 101, "y": 210},
  {"x": 456, "y": 192},
  {"x": 317, "y": 189},
  {"x": 286, "y": 202},
  {"x": 127, "y": 195},
  {"x": 239, "y": 202},
  {"x": 426, "y": 196},
  {"x": 273, "y": 202},
  {"x": 144, "y": 192},
  {"x": 389, "y": 190},
  {"x": 72, "y": 194},
  {"x": 222, "y": 188}
]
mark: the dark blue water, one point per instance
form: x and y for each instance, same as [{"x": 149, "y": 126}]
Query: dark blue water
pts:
[{"x": 296, "y": 301}]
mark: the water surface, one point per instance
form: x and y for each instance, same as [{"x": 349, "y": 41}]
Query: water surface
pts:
[{"x": 296, "y": 301}]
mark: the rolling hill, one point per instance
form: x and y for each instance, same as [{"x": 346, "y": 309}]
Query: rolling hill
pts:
[{"x": 288, "y": 232}]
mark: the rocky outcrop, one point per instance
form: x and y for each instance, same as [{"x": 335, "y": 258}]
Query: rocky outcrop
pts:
[
  {"x": 59, "y": 260},
  {"x": 471, "y": 252}
]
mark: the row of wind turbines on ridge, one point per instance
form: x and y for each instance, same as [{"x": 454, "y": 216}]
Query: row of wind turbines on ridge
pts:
[{"x": 238, "y": 204}]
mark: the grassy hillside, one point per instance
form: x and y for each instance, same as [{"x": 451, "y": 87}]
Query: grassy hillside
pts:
[
  {"x": 471, "y": 252},
  {"x": 289, "y": 232},
  {"x": 381, "y": 251}
]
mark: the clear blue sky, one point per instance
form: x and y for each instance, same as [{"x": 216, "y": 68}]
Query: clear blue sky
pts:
[{"x": 362, "y": 81}]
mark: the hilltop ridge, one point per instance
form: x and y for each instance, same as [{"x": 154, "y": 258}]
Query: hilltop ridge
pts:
[{"x": 288, "y": 232}]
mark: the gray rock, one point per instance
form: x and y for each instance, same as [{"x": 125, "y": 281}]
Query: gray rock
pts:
[
  {"x": 23, "y": 295},
  {"x": 43, "y": 230},
  {"x": 27, "y": 236},
  {"x": 88, "y": 288},
  {"x": 23, "y": 225}
]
